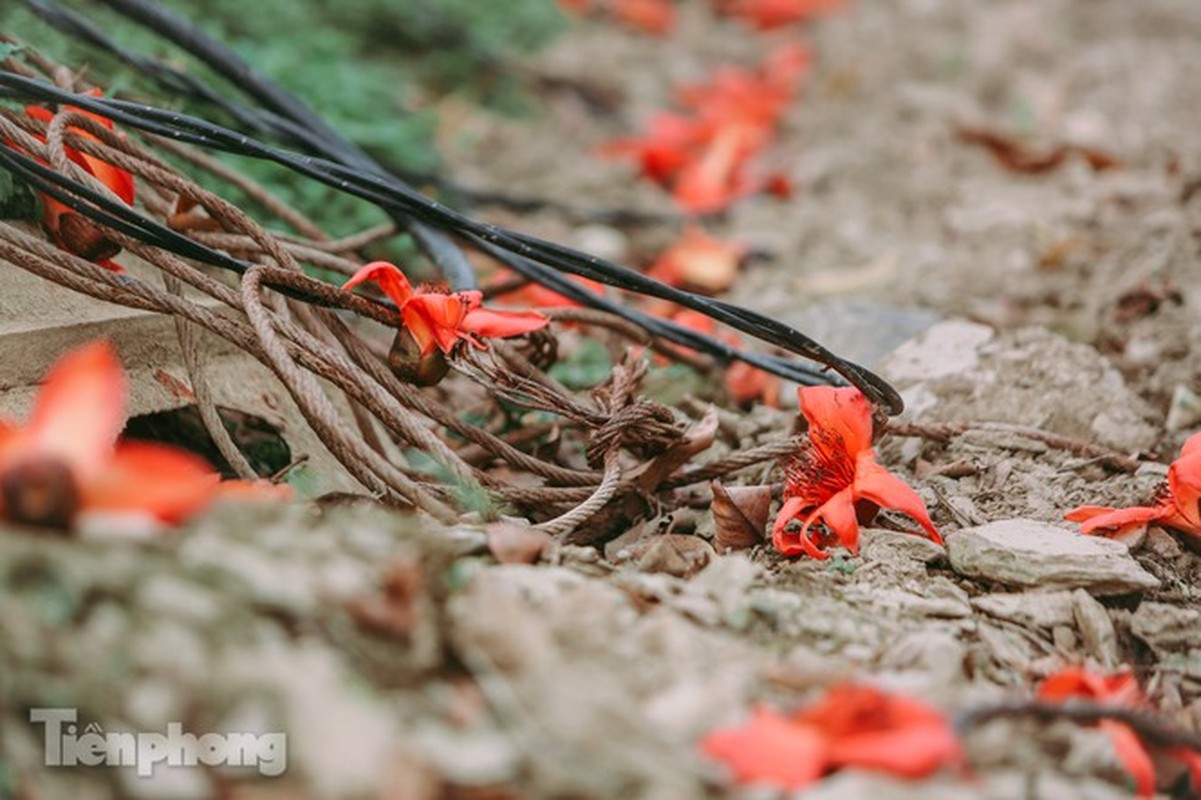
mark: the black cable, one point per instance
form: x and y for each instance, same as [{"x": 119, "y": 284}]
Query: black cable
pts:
[{"x": 391, "y": 194}]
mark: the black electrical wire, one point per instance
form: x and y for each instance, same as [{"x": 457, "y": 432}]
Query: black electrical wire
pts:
[{"x": 397, "y": 196}]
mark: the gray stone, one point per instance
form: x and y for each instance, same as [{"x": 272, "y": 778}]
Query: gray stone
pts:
[
  {"x": 959, "y": 370},
  {"x": 1031, "y": 609},
  {"x": 1029, "y": 553},
  {"x": 878, "y": 544},
  {"x": 1096, "y": 628},
  {"x": 1166, "y": 627}
]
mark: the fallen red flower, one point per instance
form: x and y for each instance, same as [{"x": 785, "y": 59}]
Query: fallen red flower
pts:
[
  {"x": 668, "y": 145},
  {"x": 441, "y": 320},
  {"x": 705, "y": 157},
  {"x": 65, "y": 461},
  {"x": 836, "y": 479},
  {"x": 699, "y": 262},
  {"x": 768, "y": 14},
  {"x": 1178, "y": 503},
  {"x": 850, "y": 727},
  {"x": 1120, "y": 690},
  {"x": 68, "y": 229},
  {"x": 534, "y": 295}
]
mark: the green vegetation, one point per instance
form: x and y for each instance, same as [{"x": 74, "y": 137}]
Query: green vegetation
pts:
[{"x": 372, "y": 69}]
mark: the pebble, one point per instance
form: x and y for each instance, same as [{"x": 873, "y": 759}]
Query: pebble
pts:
[{"x": 1030, "y": 553}]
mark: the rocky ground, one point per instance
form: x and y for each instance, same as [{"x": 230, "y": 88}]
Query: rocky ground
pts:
[{"x": 405, "y": 662}]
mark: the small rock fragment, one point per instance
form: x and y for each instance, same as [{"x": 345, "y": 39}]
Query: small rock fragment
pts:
[
  {"x": 879, "y": 544},
  {"x": 1030, "y": 553},
  {"x": 1167, "y": 627},
  {"x": 1095, "y": 627},
  {"x": 1030, "y": 609}
]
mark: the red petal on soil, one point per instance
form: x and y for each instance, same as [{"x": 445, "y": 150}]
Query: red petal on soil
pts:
[{"x": 769, "y": 748}]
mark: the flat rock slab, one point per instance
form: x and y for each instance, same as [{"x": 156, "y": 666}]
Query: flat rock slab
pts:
[
  {"x": 1030, "y": 553},
  {"x": 960, "y": 370}
]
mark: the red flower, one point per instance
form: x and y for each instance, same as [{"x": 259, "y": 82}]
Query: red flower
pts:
[
  {"x": 1119, "y": 690},
  {"x": 536, "y": 295},
  {"x": 705, "y": 156},
  {"x": 441, "y": 320},
  {"x": 668, "y": 145},
  {"x": 70, "y": 230},
  {"x": 651, "y": 16},
  {"x": 851, "y": 726},
  {"x": 768, "y": 14},
  {"x": 65, "y": 461},
  {"x": 827, "y": 480},
  {"x": 1178, "y": 503},
  {"x": 699, "y": 262}
]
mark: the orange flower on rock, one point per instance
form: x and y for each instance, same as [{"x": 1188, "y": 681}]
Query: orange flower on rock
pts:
[
  {"x": 440, "y": 320},
  {"x": 835, "y": 479},
  {"x": 1119, "y": 690},
  {"x": 70, "y": 230},
  {"x": 852, "y": 726},
  {"x": 65, "y": 461},
  {"x": 1178, "y": 503}
]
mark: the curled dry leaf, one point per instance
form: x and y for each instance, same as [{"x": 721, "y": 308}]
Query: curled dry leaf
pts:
[
  {"x": 739, "y": 515},
  {"x": 510, "y": 543}
]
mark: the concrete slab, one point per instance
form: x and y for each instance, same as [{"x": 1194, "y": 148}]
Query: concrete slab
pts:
[{"x": 39, "y": 321}]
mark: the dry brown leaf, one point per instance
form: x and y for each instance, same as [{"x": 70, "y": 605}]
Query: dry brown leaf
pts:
[
  {"x": 739, "y": 515},
  {"x": 511, "y": 543},
  {"x": 1019, "y": 157},
  {"x": 696, "y": 439}
]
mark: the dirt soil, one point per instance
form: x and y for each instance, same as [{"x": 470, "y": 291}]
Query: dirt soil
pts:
[{"x": 404, "y": 662}]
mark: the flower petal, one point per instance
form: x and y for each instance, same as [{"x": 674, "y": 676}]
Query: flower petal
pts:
[
  {"x": 1134, "y": 757},
  {"x": 435, "y": 319},
  {"x": 870, "y": 728},
  {"x": 1184, "y": 479},
  {"x": 490, "y": 323},
  {"x": 769, "y": 748},
  {"x": 843, "y": 411},
  {"x": 79, "y": 410},
  {"x": 838, "y": 513},
  {"x": 792, "y": 544},
  {"x": 388, "y": 277},
  {"x": 1108, "y": 521},
  {"x": 911, "y": 751},
  {"x": 167, "y": 482},
  {"x": 873, "y": 482},
  {"x": 1191, "y": 446},
  {"x": 115, "y": 178}
]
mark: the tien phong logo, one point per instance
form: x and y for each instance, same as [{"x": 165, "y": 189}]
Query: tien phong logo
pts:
[{"x": 67, "y": 745}]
